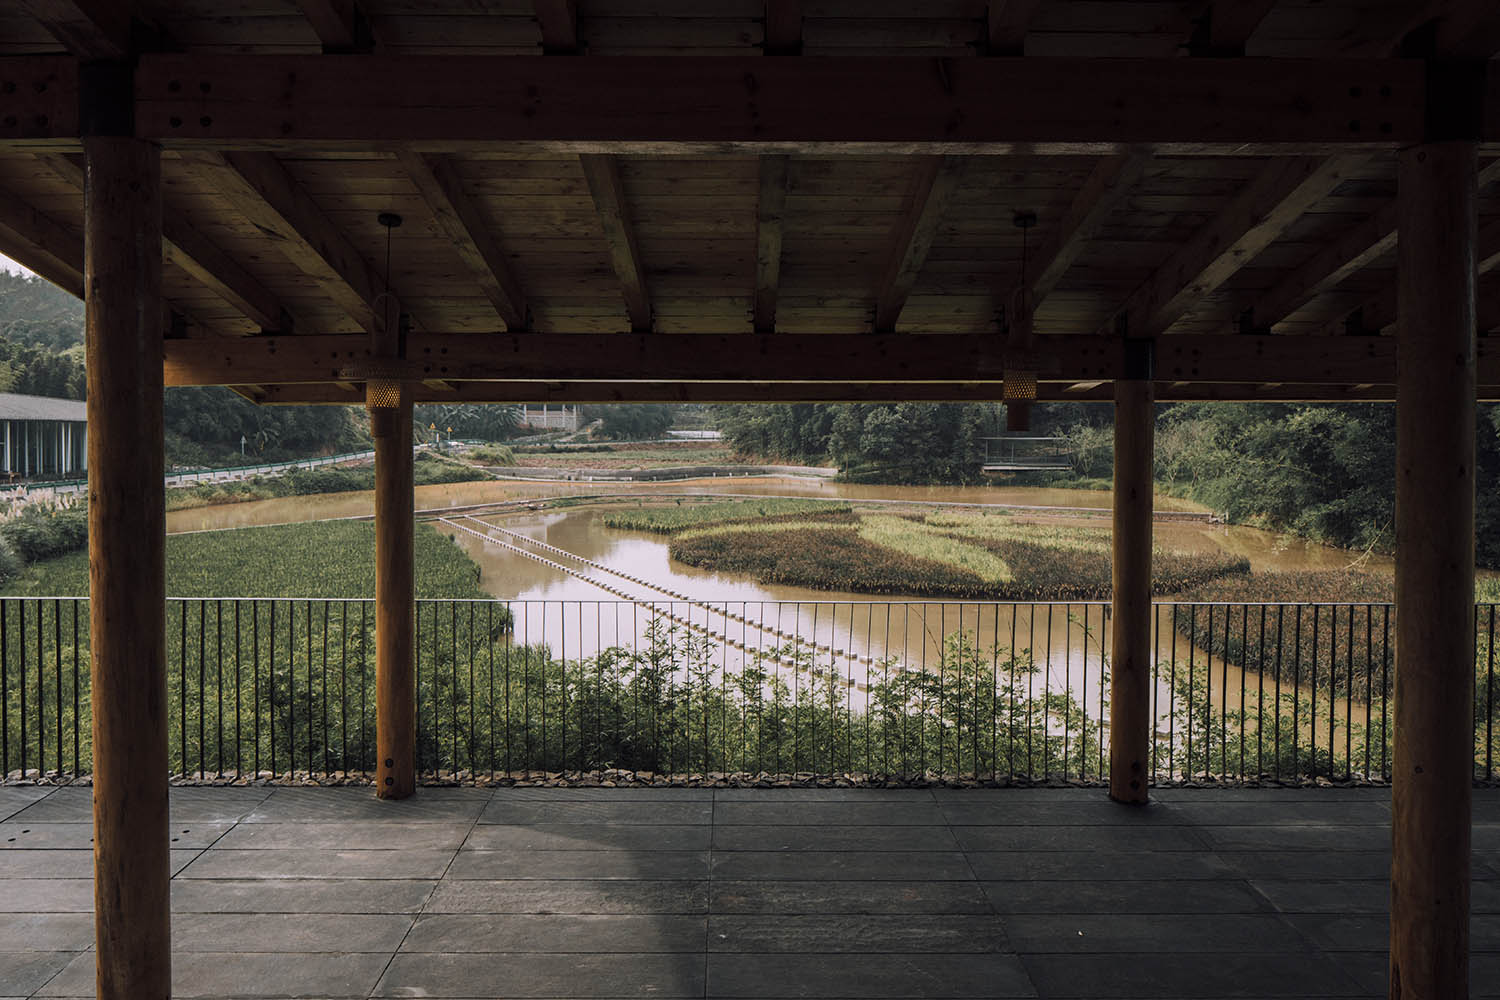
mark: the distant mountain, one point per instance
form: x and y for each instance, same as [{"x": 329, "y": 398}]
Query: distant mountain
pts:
[{"x": 35, "y": 312}]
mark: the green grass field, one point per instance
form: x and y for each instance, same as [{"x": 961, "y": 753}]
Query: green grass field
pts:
[
  {"x": 321, "y": 559},
  {"x": 671, "y": 520}
]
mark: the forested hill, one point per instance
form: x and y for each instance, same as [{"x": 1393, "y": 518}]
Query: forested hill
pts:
[
  {"x": 1322, "y": 471},
  {"x": 41, "y": 354}
]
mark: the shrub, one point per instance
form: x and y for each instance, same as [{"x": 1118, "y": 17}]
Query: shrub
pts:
[{"x": 41, "y": 533}]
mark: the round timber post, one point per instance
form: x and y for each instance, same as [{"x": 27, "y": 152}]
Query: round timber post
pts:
[
  {"x": 395, "y": 604},
  {"x": 1130, "y": 724},
  {"x": 1435, "y": 427},
  {"x": 127, "y": 567}
]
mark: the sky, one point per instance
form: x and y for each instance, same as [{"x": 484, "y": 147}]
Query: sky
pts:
[{"x": 6, "y": 264}]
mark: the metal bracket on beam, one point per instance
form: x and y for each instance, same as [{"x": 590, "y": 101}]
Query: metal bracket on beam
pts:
[
  {"x": 106, "y": 98},
  {"x": 1138, "y": 361}
]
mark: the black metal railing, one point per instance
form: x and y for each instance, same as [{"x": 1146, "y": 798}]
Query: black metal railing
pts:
[{"x": 275, "y": 687}]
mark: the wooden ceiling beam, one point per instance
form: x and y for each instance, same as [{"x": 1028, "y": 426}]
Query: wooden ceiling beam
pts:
[
  {"x": 1254, "y": 218},
  {"x": 459, "y": 218},
  {"x": 769, "y": 211},
  {"x": 1225, "y": 26},
  {"x": 88, "y": 29},
  {"x": 1006, "y": 23},
  {"x": 603, "y": 176},
  {"x": 1379, "y": 312},
  {"x": 185, "y": 247},
  {"x": 341, "y": 25},
  {"x": 41, "y": 244},
  {"x": 782, "y": 392},
  {"x": 1107, "y": 185},
  {"x": 260, "y": 188},
  {"x": 558, "y": 22},
  {"x": 821, "y": 358},
  {"x": 608, "y": 104},
  {"x": 927, "y": 196},
  {"x": 783, "y": 27}
]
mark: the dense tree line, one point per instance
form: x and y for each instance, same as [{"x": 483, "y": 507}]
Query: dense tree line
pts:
[{"x": 901, "y": 442}]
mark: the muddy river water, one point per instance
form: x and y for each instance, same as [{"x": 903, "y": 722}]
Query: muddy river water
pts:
[{"x": 558, "y": 598}]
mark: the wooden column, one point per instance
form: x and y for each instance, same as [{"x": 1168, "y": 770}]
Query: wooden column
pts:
[
  {"x": 1435, "y": 425},
  {"x": 1130, "y": 725},
  {"x": 395, "y": 682},
  {"x": 127, "y": 568}
]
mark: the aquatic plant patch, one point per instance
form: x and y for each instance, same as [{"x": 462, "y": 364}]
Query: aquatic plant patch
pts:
[{"x": 670, "y": 520}]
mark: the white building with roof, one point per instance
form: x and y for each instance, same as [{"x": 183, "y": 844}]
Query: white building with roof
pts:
[{"x": 44, "y": 438}]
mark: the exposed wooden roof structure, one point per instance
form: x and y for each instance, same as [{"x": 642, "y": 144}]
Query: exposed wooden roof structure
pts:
[
  {"x": 670, "y": 179},
  {"x": 779, "y": 200}
]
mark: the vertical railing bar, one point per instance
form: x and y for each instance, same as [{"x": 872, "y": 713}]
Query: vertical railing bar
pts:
[
  {"x": 1155, "y": 691},
  {"x": 1103, "y": 681},
  {"x": 1489, "y": 703},
  {"x": 489, "y": 642},
  {"x": 182, "y": 689},
  {"x": 364, "y": 686},
  {"x": 1369, "y": 681},
  {"x": 453, "y": 691},
  {"x": 1312, "y": 712},
  {"x": 1047, "y": 708},
  {"x": 344, "y": 687},
  {"x": 255, "y": 680},
  {"x": 291, "y": 673},
  {"x": 219, "y": 684},
  {"x": 327, "y": 611},
  {"x": 77, "y": 716},
  {"x": 1010, "y": 715},
  {"x": 1297, "y": 690},
  {"x": 509, "y": 761},
  {"x": 417, "y": 679},
  {"x": 1208, "y": 696},
  {"x": 1192, "y": 667},
  {"x": 562, "y": 626},
  {"x": 472, "y": 695},
  {"x": 57, "y": 673},
  {"x": 1349, "y": 700},
  {"x": 1385, "y": 683},
  {"x": 21, "y": 652},
  {"x": 1244, "y": 665},
  {"x": 1260, "y": 698},
  {"x": 1031, "y": 691},
  {"x": 1067, "y": 690},
  {"x": 5, "y": 606},
  {"x": 271, "y": 684}
]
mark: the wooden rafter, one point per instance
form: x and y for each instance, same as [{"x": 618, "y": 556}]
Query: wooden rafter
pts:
[
  {"x": 769, "y": 210},
  {"x": 339, "y": 24},
  {"x": 603, "y": 176},
  {"x": 1469, "y": 30},
  {"x": 40, "y": 243},
  {"x": 558, "y": 21},
  {"x": 1107, "y": 185},
  {"x": 1226, "y": 26},
  {"x": 195, "y": 254},
  {"x": 783, "y": 27},
  {"x": 608, "y": 104},
  {"x": 820, "y": 358},
  {"x": 1352, "y": 251},
  {"x": 1006, "y": 24},
  {"x": 440, "y": 187},
  {"x": 1379, "y": 312},
  {"x": 931, "y": 188},
  {"x": 262, "y": 190},
  {"x": 1254, "y": 219},
  {"x": 89, "y": 29}
]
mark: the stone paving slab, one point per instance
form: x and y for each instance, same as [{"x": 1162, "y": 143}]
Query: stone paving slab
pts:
[
  {"x": 21, "y": 835},
  {"x": 1158, "y": 976},
  {"x": 891, "y": 897},
  {"x": 574, "y": 811},
  {"x": 229, "y": 863},
  {"x": 579, "y": 837},
  {"x": 300, "y": 896},
  {"x": 823, "y": 838},
  {"x": 440, "y": 933},
  {"x": 902, "y": 866},
  {"x": 543, "y": 975},
  {"x": 766, "y": 893},
  {"x": 570, "y": 896},
  {"x": 14, "y": 798},
  {"x": 574, "y": 865},
  {"x": 217, "y": 974},
  {"x": 347, "y": 836},
  {"x": 861, "y": 933},
  {"x": 868, "y": 976}
]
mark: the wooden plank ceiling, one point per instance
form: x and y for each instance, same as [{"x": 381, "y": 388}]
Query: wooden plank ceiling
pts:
[{"x": 790, "y": 243}]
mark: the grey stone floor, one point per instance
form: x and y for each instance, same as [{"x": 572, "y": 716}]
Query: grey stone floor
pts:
[{"x": 742, "y": 893}]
